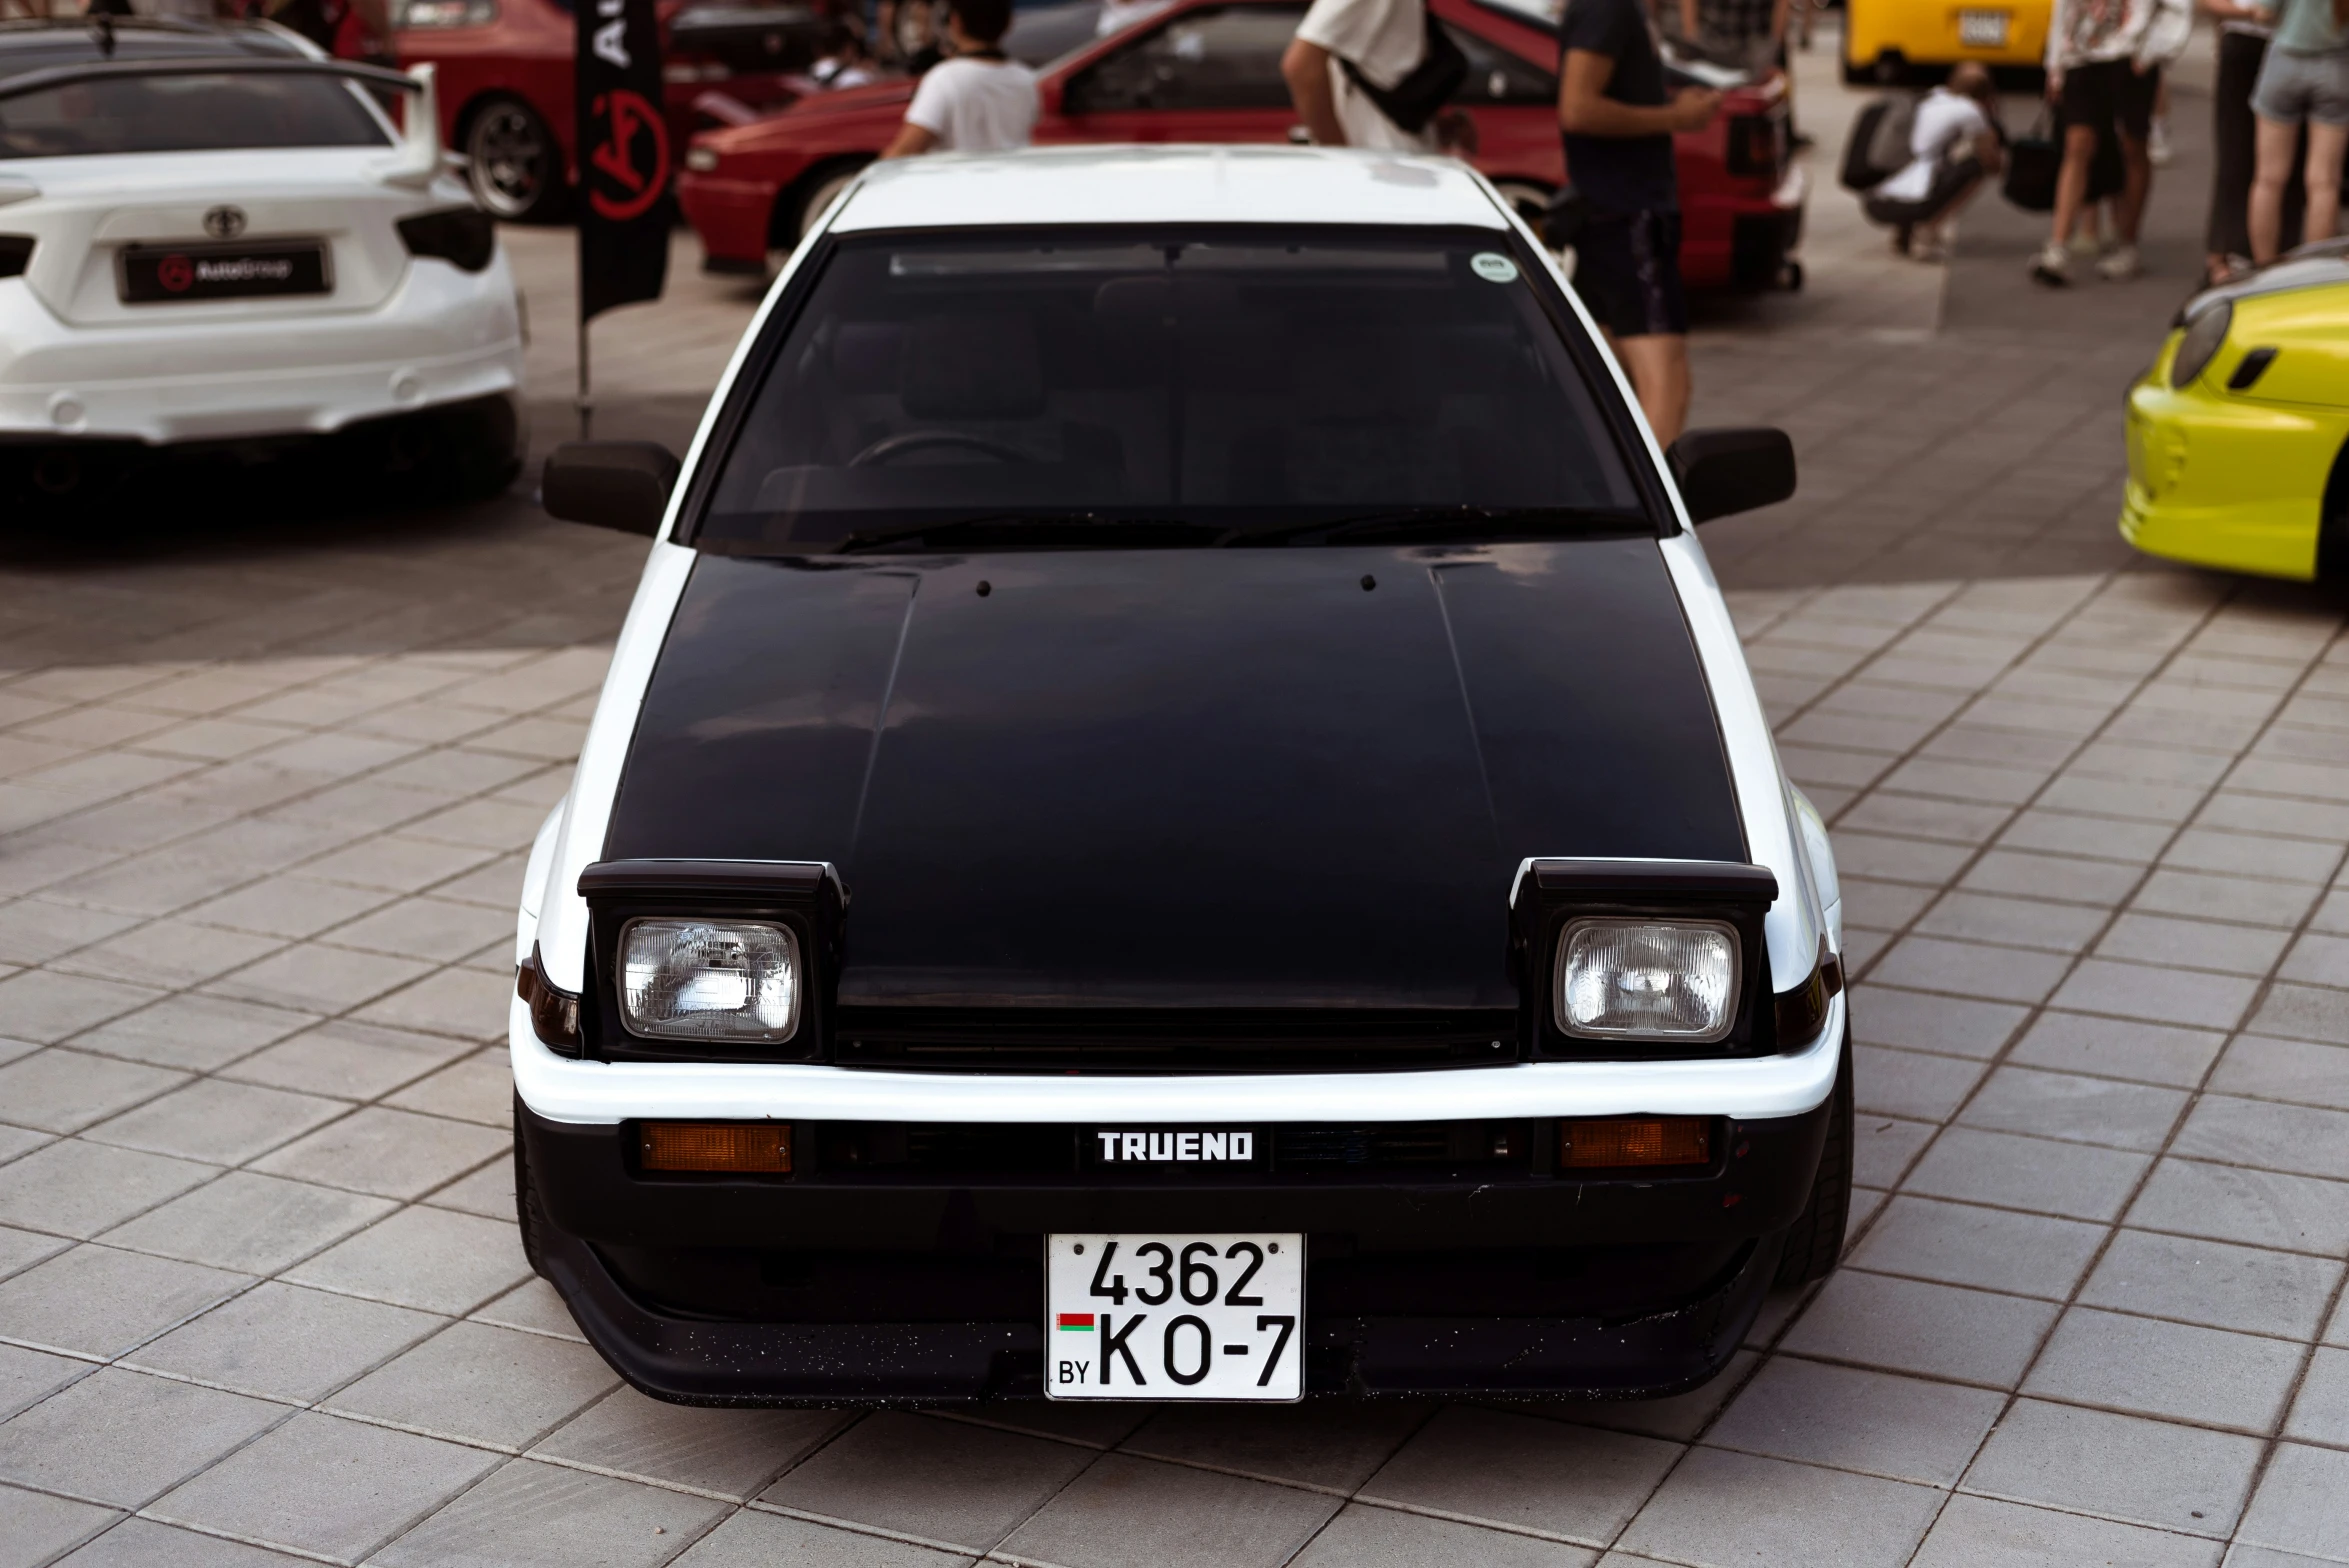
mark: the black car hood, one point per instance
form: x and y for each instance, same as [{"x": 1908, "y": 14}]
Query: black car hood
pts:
[{"x": 1184, "y": 778}]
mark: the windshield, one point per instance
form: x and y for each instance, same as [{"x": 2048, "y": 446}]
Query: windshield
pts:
[
  {"x": 1248, "y": 380},
  {"x": 201, "y": 113}
]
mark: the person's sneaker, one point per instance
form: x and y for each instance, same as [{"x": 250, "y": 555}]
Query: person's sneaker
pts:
[
  {"x": 2053, "y": 266},
  {"x": 1933, "y": 252},
  {"x": 2158, "y": 151},
  {"x": 2120, "y": 263}
]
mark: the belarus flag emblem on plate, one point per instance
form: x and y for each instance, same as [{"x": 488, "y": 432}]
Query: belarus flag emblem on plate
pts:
[{"x": 1077, "y": 1322}]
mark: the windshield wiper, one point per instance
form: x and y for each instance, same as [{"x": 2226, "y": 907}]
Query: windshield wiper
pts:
[
  {"x": 1446, "y": 522},
  {"x": 1077, "y": 530}
]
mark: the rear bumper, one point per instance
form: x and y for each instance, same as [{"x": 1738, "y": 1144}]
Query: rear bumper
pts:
[
  {"x": 732, "y": 216},
  {"x": 782, "y": 1291}
]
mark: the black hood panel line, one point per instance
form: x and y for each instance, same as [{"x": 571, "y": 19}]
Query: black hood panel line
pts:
[{"x": 1181, "y": 779}]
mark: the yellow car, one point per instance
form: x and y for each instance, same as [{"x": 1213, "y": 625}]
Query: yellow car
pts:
[
  {"x": 1884, "y": 39},
  {"x": 2239, "y": 434}
]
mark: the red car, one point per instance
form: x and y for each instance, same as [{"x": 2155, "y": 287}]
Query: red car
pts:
[
  {"x": 506, "y": 75},
  {"x": 1209, "y": 71}
]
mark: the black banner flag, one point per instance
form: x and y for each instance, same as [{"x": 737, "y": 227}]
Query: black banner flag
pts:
[{"x": 624, "y": 156}]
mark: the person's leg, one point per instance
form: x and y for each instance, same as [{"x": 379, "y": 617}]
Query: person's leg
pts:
[
  {"x": 2326, "y": 144},
  {"x": 2071, "y": 196},
  {"x": 2135, "y": 123},
  {"x": 1658, "y": 364},
  {"x": 2273, "y": 145},
  {"x": 2223, "y": 234}
]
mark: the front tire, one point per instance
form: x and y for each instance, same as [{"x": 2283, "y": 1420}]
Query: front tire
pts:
[
  {"x": 514, "y": 163},
  {"x": 1814, "y": 1242}
]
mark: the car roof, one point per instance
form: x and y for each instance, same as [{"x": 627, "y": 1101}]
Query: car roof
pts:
[
  {"x": 38, "y": 45},
  {"x": 1168, "y": 184}
]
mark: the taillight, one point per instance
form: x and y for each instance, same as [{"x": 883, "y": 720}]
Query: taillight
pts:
[
  {"x": 462, "y": 236},
  {"x": 1756, "y": 145}
]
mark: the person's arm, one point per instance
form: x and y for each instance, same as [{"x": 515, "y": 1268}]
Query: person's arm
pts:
[
  {"x": 1690, "y": 27},
  {"x": 1779, "y": 14},
  {"x": 2058, "y": 20},
  {"x": 911, "y": 141},
  {"x": 1584, "y": 109},
  {"x": 1305, "y": 67}
]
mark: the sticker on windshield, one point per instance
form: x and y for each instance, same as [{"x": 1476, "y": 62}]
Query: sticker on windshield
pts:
[{"x": 1493, "y": 267}]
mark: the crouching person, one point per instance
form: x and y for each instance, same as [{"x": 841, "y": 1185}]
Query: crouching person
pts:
[{"x": 1954, "y": 145}]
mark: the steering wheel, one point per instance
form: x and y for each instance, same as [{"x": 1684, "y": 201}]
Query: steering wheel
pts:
[{"x": 890, "y": 448}]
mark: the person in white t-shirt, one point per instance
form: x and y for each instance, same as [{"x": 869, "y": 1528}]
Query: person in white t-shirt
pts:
[
  {"x": 976, "y": 100},
  {"x": 1383, "y": 40},
  {"x": 1953, "y": 147}
]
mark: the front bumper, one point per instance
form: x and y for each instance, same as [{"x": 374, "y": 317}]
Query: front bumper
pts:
[
  {"x": 837, "y": 1287},
  {"x": 442, "y": 337},
  {"x": 2228, "y": 482},
  {"x": 733, "y": 216}
]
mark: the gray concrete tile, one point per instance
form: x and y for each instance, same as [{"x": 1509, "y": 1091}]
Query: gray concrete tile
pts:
[
  {"x": 2257, "y": 1208},
  {"x": 285, "y": 1342},
  {"x": 2252, "y": 855},
  {"x": 2320, "y": 1411},
  {"x": 250, "y": 1223},
  {"x": 200, "y": 1033},
  {"x": 539, "y": 1514},
  {"x": 1955, "y": 1026},
  {"x": 2118, "y": 1048},
  {"x": 1911, "y": 1084},
  {"x": 1676, "y": 1418},
  {"x": 2157, "y": 1473},
  {"x": 2175, "y": 1370},
  {"x": 120, "y": 1438},
  {"x": 2214, "y": 1283},
  {"x": 1884, "y": 1146},
  {"x": 290, "y": 906},
  {"x": 938, "y": 1480},
  {"x": 1970, "y": 969},
  {"x": 461, "y": 1002},
  {"x": 764, "y": 1540},
  {"x": 217, "y": 1122},
  {"x": 1514, "y": 1471},
  {"x": 2302, "y": 1012},
  {"x": 1907, "y": 1325},
  {"x": 437, "y": 930},
  {"x": 41, "y": 1526},
  {"x": 320, "y": 977},
  {"x": 479, "y": 1088},
  {"x": 488, "y": 1192},
  {"x": 1721, "y": 1507},
  {"x": 2317, "y": 959},
  {"x": 1127, "y": 1512},
  {"x": 43, "y": 1006},
  {"x": 533, "y": 1306},
  {"x": 482, "y": 1384},
  {"x": 30, "y": 1375},
  {"x": 1980, "y": 1532},
  {"x": 428, "y": 1258},
  {"x": 1337, "y": 1446},
  {"x": 347, "y": 1060},
  {"x": 2295, "y": 1139},
  {"x": 1906, "y": 1428},
  {"x": 2169, "y": 891},
  {"x": 1361, "y": 1537},
  {"x": 2037, "y": 1174},
  {"x": 397, "y": 1154},
  {"x": 2159, "y": 995},
  {"x": 2285, "y": 1070},
  {"x": 1992, "y": 1249},
  {"x": 72, "y": 1188},
  {"x": 2070, "y": 833},
  {"x": 100, "y": 1301},
  {"x": 170, "y": 953},
  {"x": 142, "y": 1543},
  {"x": 64, "y": 1091},
  {"x": 735, "y": 1452},
  {"x": 2197, "y": 944},
  {"x": 2015, "y": 922},
  {"x": 2075, "y": 1108},
  {"x": 2298, "y": 1506},
  {"x": 2099, "y": 884},
  {"x": 318, "y": 1485},
  {"x": 1886, "y": 905},
  {"x": 35, "y": 930}
]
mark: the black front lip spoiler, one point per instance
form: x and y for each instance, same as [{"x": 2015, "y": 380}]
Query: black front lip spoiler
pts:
[{"x": 699, "y": 1362}]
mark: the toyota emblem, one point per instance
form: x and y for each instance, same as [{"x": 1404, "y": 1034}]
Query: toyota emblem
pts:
[{"x": 225, "y": 223}]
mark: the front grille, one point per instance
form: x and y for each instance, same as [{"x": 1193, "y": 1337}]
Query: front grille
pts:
[
  {"x": 851, "y": 1152},
  {"x": 1399, "y": 1144},
  {"x": 1063, "y": 1040}
]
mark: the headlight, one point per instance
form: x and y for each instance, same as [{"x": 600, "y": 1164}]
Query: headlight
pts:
[
  {"x": 701, "y": 160},
  {"x": 448, "y": 13},
  {"x": 1673, "y": 979},
  {"x": 2205, "y": 335},
  {"x": 709, "y": 980}
]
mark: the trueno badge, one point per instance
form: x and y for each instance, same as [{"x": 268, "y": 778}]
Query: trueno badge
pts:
[{"x": 1164, "y": 1146}]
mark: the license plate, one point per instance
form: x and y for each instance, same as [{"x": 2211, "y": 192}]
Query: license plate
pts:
[
  {"x": 169, "y": 274},
  {"x": 1982, "y": 29},
  {"x": 1175, "y": 1317}
]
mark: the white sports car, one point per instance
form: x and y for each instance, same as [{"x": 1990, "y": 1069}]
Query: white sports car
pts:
[{"x": 217, "y": 235}]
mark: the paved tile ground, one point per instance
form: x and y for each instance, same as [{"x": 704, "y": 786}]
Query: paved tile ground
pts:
[{"x": 263, "y": 798}]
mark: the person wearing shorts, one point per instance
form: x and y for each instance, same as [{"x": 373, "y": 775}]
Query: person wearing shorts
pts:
[
  {"x": 2104, "y": 60},
  {"x": 2303, "y": 81},
  {"x": 1617, "y": 120}
]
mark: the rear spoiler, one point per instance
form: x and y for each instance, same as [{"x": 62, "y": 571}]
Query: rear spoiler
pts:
[{"x": 419, "y": 157}]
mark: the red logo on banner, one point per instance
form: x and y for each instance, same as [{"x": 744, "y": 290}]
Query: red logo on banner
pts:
[
  {"x": 633, "y": 155},
  {"x": 175, "y": 273}
]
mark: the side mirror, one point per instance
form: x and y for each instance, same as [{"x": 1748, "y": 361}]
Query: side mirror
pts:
[
  {"x": 610, "y": 484},
  {"x": 1721, "y": 472}
]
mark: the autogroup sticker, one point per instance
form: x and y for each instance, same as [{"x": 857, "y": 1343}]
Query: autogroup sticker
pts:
[{"x": 1493, "y": 267}]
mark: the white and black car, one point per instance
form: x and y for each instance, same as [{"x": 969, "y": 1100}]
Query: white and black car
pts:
[
  {"x": 213, "y": 236},
  {"x": 1178, "y": 815}
]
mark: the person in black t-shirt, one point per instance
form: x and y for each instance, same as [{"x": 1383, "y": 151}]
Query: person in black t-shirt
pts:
[{"x": 1618, "y": 122}]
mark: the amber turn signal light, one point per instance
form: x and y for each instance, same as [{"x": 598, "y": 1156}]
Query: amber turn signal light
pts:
[
  {"x": 716, "y": 1146},
  {"x": 1619, "y": 1141}
]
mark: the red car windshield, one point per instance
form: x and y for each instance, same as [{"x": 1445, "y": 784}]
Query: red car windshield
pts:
[{"x": 1243, "y": 380}]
